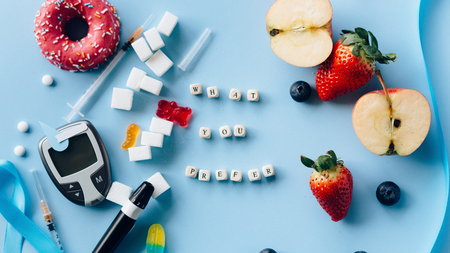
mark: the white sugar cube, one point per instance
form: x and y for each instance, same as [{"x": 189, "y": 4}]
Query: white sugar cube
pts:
[
  {"x": 213, "y": 92},
  {"x": 204, "y": 175},
  {"x": 268, "y": 170},
  {"x": 221, "y": 175},
  {"x": 239, "y": 131},
  {"x": 135, "y": 79},
  {"x": 154, "y": 39},
  {"x": 152, "y": 139},
  {"x": 205, "y": 132},
  {"x": 253, "y": 95},
  {"x": 159, "y": 63},
  {"x": 161, "y": 126},
  {"x": 151, "y": 85},
  {"x": 236, "y": 176},
  {"x": 196, "y": 89},
  {"x": 167, "y": 23},
  {"x": 142, "y": 49},
  {"x": 254, "y": 175},
  {"x": 225, "y": 131},
  {"x": 191, "y": 171},
  {"x": 122, "y": 99},
  {"x": 235, "y": 94},
  {"x": 119, "y": 193},
  {"x": 139, "y": 153},
  {"x": 159, "y": 183}
]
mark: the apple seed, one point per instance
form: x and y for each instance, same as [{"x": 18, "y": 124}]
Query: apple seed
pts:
[{"x": 274, "y": 32}]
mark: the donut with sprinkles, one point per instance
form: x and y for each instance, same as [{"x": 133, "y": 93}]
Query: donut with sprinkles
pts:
[{"x": 90, "y": 52}]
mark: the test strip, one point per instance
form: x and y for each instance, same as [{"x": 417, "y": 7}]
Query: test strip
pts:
[{"x": 71, "y": 132}]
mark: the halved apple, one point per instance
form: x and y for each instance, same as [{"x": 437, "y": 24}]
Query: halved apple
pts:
[
  {"x": 300, "y": 31},
  {"x": 396, "y": 123}
]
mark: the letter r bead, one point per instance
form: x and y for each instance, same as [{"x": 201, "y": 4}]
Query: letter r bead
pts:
[
  {"x": 268, "y": 170},
  {"x": 204, "y": 175}
]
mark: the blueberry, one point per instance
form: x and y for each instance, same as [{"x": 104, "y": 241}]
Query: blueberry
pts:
[
  {"x": 388, "y": 193},
  {"x": 268, "y": 250},
  {"x": 300, "y": 91}
]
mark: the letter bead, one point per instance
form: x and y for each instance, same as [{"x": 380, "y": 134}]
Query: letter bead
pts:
[
  {"x": 191, "y": 171},
  {"x": 225, "y": 131},
  {"x": 236, "y": 176},
  {"x": 204, "y": 175}
]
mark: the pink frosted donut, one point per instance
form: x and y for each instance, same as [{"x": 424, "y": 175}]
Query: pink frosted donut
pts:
[{"x": 101, "y": 40}]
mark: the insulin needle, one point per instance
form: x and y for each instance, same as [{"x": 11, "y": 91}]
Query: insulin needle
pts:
[{"x": 93, "y": 88}]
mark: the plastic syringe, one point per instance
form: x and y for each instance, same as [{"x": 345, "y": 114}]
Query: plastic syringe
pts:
[
  {"x": 93, "y": 88},
  {"x": 45, "y": 211}
]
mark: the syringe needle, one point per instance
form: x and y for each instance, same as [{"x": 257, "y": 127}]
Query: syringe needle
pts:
[
  {"x": 138, "y": 32},
  {"x": 45, "y": 210}
]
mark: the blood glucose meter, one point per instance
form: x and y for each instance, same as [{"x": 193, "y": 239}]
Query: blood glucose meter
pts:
[{"x": 81, "y": 172}]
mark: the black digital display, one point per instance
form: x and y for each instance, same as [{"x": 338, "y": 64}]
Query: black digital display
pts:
[{"x": 77, "y": 156}]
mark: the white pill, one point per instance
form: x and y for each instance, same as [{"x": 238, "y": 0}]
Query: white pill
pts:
[
  {"x": 22, "y": 126},
  {"x": 47, "y": 80},
  {"x": 19, "y": 151}
]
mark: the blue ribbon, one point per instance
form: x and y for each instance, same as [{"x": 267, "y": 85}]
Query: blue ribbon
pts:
[
  {"x": 422, "y": 9},
  {"x": 19, "y": 225}
]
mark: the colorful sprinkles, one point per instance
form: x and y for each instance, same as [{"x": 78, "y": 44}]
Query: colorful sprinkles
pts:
[{"x": 51, "y": 19}]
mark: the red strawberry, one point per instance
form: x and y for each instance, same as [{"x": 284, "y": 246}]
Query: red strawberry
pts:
[
  {"x": 331, "y": 183},
  {"x": 350, "y": 65}
]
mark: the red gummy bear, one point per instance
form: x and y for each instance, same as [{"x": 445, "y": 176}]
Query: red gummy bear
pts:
[{"x": 172, "y": 112}]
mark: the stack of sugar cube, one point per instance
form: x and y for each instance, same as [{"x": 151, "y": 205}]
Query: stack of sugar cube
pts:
[
  {"x": 154, "y": 138},
  {"x": 123, "y": 99},
  {"x": 158, "y": 62}
]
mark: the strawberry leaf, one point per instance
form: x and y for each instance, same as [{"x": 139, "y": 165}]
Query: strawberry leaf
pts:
[
  {"x": 360, "y": 39},
  {"x": 351, "y": 38},
  {"x": 390, "y": 57},
  {"x": 372, "y": 52},
  {"x": 307, "y": 162},
  {"x": 362, "y": 33},
  {"x": 373, "y": 40},
  {"x": 356, "y": 50},
  {"x": 325, "y": 162},
  {"x": 383, "y": 61},
  {"x": 333, "y": 156},
  {"x": 347, "y": 31}
]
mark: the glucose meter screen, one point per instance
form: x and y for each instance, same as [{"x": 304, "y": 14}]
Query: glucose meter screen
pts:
[{"x": 77, "y": 156}]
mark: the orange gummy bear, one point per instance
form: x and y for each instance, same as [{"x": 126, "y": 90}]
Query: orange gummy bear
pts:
[{"x": 132, "y": 132}]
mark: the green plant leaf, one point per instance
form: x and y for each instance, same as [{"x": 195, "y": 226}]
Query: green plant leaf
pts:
[
  {"x": 347, "y": 31},
  {"x": 356, "y": 50},
  {"x": 372, "y": 52},
  {"x": 306, "y": 161},
  {"x": 362, "y": 33},
  {"x": 351, "y": 38},
  {"x": 325, "y": 162},
  {"x": 373, "y": 40},
  {"x": 383, "y": 60},
  {"x": 333, "y": 156},
  {"x": 390, "y": 57}
]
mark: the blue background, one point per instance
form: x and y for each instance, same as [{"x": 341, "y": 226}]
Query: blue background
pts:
[{"x": 280, "y": 213}]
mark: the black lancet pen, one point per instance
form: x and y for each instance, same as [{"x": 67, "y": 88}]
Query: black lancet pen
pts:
[{"x": 125, "y": 220}]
